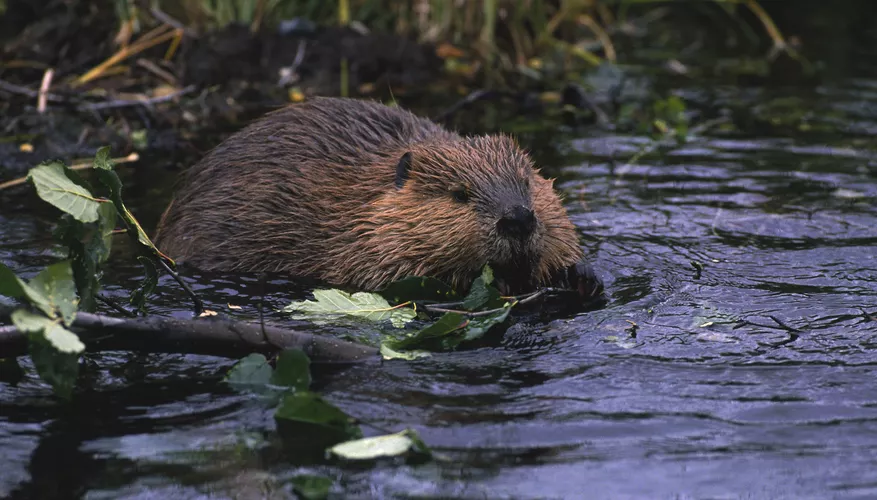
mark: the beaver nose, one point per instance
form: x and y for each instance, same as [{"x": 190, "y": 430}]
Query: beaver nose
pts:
[{"x": 517, "y": 221}]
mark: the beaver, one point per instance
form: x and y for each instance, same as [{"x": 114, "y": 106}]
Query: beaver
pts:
[{"x": 357, "y": 193}]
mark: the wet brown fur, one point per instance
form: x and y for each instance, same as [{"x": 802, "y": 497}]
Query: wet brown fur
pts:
[{"x": 309, "y": 190}]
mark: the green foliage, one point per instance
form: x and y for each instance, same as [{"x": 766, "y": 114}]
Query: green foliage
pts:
[
  {"x": 54, "y": 187},
  {"x": 250, "y": 372},
  {"x": 54, "y": 349},
  {"x": 482, "y": 295},
  {"x": 308, "y": 412},
  {"x": 448, "y": 332},
  {"x": 61, "y": 289},
  {"x": 300, "y": 411},
  {"x": 370, "y": 306},
  {"x": 293, "y": 370},
  {"x": 88, "y": 246}
]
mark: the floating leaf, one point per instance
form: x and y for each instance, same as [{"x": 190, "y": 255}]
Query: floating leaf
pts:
[
  {"x": 479, "y": 326},
  {"x": 418, "y": 290},
  {"x": 306, "y": 412},
  {"x": 59, "y": 337},
  {"x": 293, "y": 370},
  {"x": 389, "y": 353},
  {"x": 431, "y": 335},
  {"x": 361, "y": 304},
  {"x": 53, "y": 186},
  {"x": 311, "y": 487},
  {"x": 252, "y": 370},
  {"x": 390, "y": 445}
]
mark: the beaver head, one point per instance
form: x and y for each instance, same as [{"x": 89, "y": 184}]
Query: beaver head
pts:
[{"x": 451, "y": 206}]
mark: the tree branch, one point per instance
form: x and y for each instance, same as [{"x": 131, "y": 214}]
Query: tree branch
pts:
[{"x": 210, "y": 336}]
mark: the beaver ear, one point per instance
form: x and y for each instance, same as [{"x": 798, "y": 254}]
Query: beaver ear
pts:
[{"x": 402, "y": 169}]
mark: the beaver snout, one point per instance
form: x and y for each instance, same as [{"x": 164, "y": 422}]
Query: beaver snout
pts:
[{"x": 517, "y": 222}]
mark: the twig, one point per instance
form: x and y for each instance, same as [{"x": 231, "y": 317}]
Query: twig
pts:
[
  {"x": 199, "y": 306},
  {"x": 121, "y": 103},
  {"x": 19, "y": 89},
  {"x": 154, "y": 69},
  {"x": 76, "y": 166},
  {"x": 44, "y": 89},
  {"x": 111, "y": 303},
  {"x": 473, "y": 96},
  {"x": 215, "y": 337},
  {"x": 170, "y": 21}
]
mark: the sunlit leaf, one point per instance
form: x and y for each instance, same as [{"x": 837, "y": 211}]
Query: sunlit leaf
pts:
[
  {"x": 370, "y": 448},
  {"x": 59, "y": 337},
  {"x": 388, "y": 353},
  {"x": 53, "y": 186},
  {"x": 361, "y": 304}
]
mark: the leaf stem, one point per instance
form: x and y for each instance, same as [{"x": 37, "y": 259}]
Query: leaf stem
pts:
[{"x": 196, "y": 301}]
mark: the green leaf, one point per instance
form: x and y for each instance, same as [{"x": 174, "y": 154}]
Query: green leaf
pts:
[
  {"x": 103, "y": 167},
  {"x": 293, "y": 370},
  {"x": 311, "y": 487},
  {"x": 482, "y": 294},
  {"x": 11, "y": 285},
  {"x": 252, "y": 370},
  {"x": 55, "y": 283},
  {"x": 416, "y": 289},
  {"x": 366, "y": 305},
  {"x": 60, "y": 338},
  {"x": 430, "y": 336},
  {"x": 147, "y": 286},
  {"x": 390, "y": 445},
  {"x": 479, "y": 326},
  {"x": 59, "y": 369},
  {"x": 308, "y": 412},
  {"x": 88, "y": 248},
  {"x": 53, "y": 186}
]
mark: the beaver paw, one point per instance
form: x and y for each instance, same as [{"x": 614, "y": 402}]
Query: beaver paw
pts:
[{"x": 581, "y": 278}]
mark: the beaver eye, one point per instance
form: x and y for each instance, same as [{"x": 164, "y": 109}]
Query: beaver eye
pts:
[{"x": 460, "y": 194}]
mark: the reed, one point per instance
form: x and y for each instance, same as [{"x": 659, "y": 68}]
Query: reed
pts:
[{"x": 508, "y": 31}]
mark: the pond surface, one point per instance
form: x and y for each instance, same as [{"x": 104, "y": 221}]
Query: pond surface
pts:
[{"x": 737, "y": 357}]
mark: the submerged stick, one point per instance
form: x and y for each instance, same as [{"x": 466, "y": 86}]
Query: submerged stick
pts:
[{"x": 208, "y": 336}]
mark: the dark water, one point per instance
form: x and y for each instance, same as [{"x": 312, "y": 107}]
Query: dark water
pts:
[{"x": 737, "y": 358}]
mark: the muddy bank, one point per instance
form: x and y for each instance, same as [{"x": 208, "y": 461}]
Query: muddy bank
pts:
[{"x": 59, "y": 98}]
